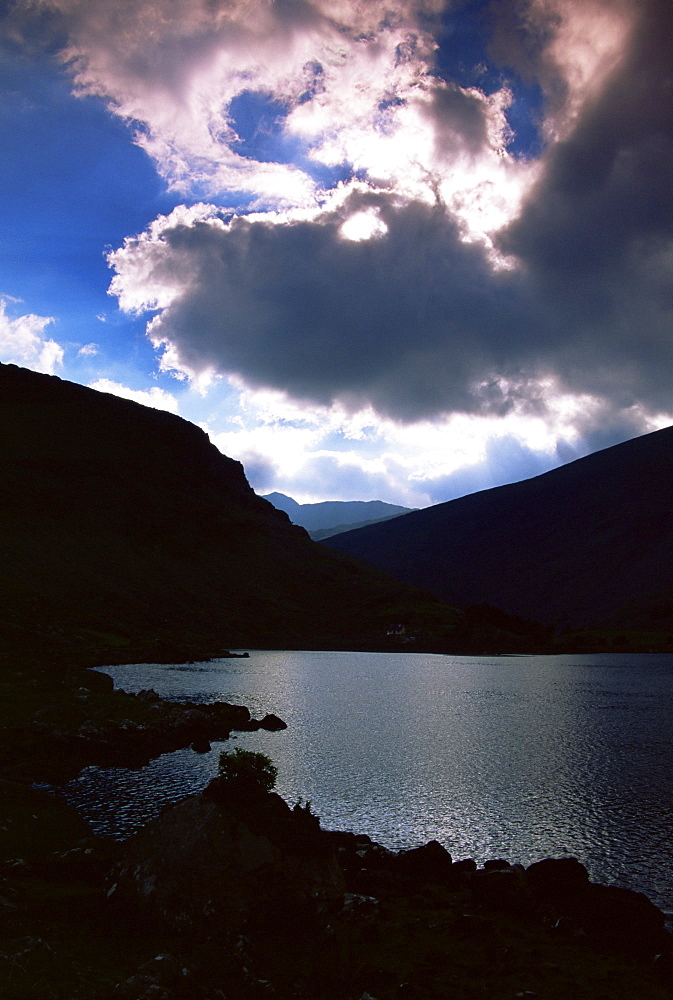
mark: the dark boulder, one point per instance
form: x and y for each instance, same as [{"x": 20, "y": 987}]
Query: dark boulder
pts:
[
  {"x": 621, "y": 919},
  {"x": 220, "y": 863},
  {"x": 272, "y": 723},
  {"x": 557, "y": 878},
  {"x": 429, "y": 863},
  {"x": 502, "y": 887},
  {"x": 466, "y": 866},
  {"x": 94, "y": 680},
  {"x": 496, "y": 865},
  {"x": 611, "y": 917}
]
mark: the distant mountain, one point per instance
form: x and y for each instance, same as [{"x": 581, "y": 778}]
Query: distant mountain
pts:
[
  {"x": 332, "y": 516},
  {"x": 588, "y": 544},
  {"x": 124, "y": 528}
]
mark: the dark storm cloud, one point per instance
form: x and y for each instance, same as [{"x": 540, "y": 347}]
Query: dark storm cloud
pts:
[
  {"x": 408, "y": 321},
  {"x": 417, "y": 321},
  {"x": 595, "y": 235}
]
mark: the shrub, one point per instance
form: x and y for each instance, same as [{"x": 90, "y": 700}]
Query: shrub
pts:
[{"x": 247, "y": 771}]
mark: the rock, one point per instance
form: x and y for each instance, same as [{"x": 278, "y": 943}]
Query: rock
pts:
[
  {"x": 430, "y": 863},
  {"x": 465, "y": 866},
  {"x": 621, "y": 919},
  {"x": 166, "y": 970},
  {"x": 219, "y": 864},
  {"x": 25, "y": 960},
  {"x": 357, "y": 908},
  {"x": 502, "y": 889},
  {"x": 272, "y": 723},
  {"x": 557, "y": 878},
  {"x": 611, "y": 917},
  {"x": 148, "y": 694},
  {"x": 94, "y": 680},
  {"x": 496, "y": 865}
]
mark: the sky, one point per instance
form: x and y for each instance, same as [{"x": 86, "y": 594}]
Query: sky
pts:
[{"x": 378, "y": 249}]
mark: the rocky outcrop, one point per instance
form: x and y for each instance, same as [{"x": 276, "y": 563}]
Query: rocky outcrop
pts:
[
  {"x": 82, "y": 720},
  {"x": 240, "y": 896},
  {"x": 556, "y": 893},
  {"x": 220, "y": 862}
]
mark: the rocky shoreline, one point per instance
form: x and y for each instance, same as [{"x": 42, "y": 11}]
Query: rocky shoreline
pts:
[
  {"x": 227, "y": 896},
  {"x": 80, "y": 720}
]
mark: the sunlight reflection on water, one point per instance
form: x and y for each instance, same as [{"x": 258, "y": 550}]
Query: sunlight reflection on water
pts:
[{"x": 515, "y": 757}]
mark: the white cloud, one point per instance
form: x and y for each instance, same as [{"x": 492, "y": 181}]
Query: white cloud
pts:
[
  {"x": 155, "y": 397},
  {"x": 444, "y": 285},
  {"x": 355, "y": 80},
  {"x": 317, "y": 453},
  {"x": 22, "y": 341}
]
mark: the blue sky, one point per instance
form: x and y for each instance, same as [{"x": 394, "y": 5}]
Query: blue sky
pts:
[{"x": 395, "y": 251}]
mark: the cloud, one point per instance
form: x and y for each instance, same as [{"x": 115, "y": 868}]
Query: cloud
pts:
[
  {"x": 352, "y": 85},
  {"x": 570, "y": 48},
  {"x": 22, "y": 341},
  {"x": 155, "y": 397},
  {"x": 409, "y": 321},
  {"x": 595, "y": 235},
  {"x": 172, "y": 69},
  {"x": 445, "y": 274},
  {"x": 414, "y": 322},
  {"x": 314, "y": 453}
]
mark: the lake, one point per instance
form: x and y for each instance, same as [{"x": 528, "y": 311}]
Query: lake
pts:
[{"x": 517, "y": 757}]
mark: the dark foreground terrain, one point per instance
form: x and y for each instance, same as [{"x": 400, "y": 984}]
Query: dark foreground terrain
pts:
[{"x": 233, "y": 894}]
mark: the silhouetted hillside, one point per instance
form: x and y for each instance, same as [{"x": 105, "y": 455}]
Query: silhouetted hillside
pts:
[
  {"x": 124, "y": 527},
  {"x": 332, "y": 516},
  {"x": 587, "y": 544}
]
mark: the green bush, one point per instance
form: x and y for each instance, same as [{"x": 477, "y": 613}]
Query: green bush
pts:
[{"x": 247, "y": 771}]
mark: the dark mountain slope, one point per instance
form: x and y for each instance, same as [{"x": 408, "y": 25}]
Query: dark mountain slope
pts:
[
  {"x": 586, "y": 544},
  {"x": 334, "y": 515},
  {"x": 123, "y": 527}
]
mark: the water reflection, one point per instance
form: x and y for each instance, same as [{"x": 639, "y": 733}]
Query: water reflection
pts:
[{"x": 519, "y": 757}]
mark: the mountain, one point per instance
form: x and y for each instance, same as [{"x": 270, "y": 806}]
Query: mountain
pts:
[
  {"x": 123, "y": 528},
  {"x": 589, "y": 544},
  {"x": 333, "y": 516}
]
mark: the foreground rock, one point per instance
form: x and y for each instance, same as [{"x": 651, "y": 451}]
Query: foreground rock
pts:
[
  {"x": 222, "y": 862},
  {"x": 556, "y": 893},
  {"x": 305, "y": 912},
  {"x": 241, "y": 896}
]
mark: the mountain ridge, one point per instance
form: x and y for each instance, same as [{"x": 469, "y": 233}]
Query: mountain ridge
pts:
[
  {"x": 123, "y": 526},
  {"x": 332, "y": 516},
  {"x": 584, "y": 545}
]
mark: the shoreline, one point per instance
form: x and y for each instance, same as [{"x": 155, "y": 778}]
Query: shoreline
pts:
[{"x": 413, "y": 917}]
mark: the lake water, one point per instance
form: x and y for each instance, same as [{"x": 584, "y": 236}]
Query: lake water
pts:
[{"x": 519, "y": 757}]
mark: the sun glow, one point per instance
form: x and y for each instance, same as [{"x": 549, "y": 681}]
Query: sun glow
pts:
[{"x": 363, "y": 226}]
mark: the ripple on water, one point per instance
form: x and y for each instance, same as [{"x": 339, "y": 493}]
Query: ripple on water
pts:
[{"x": 517, "y": 757}]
